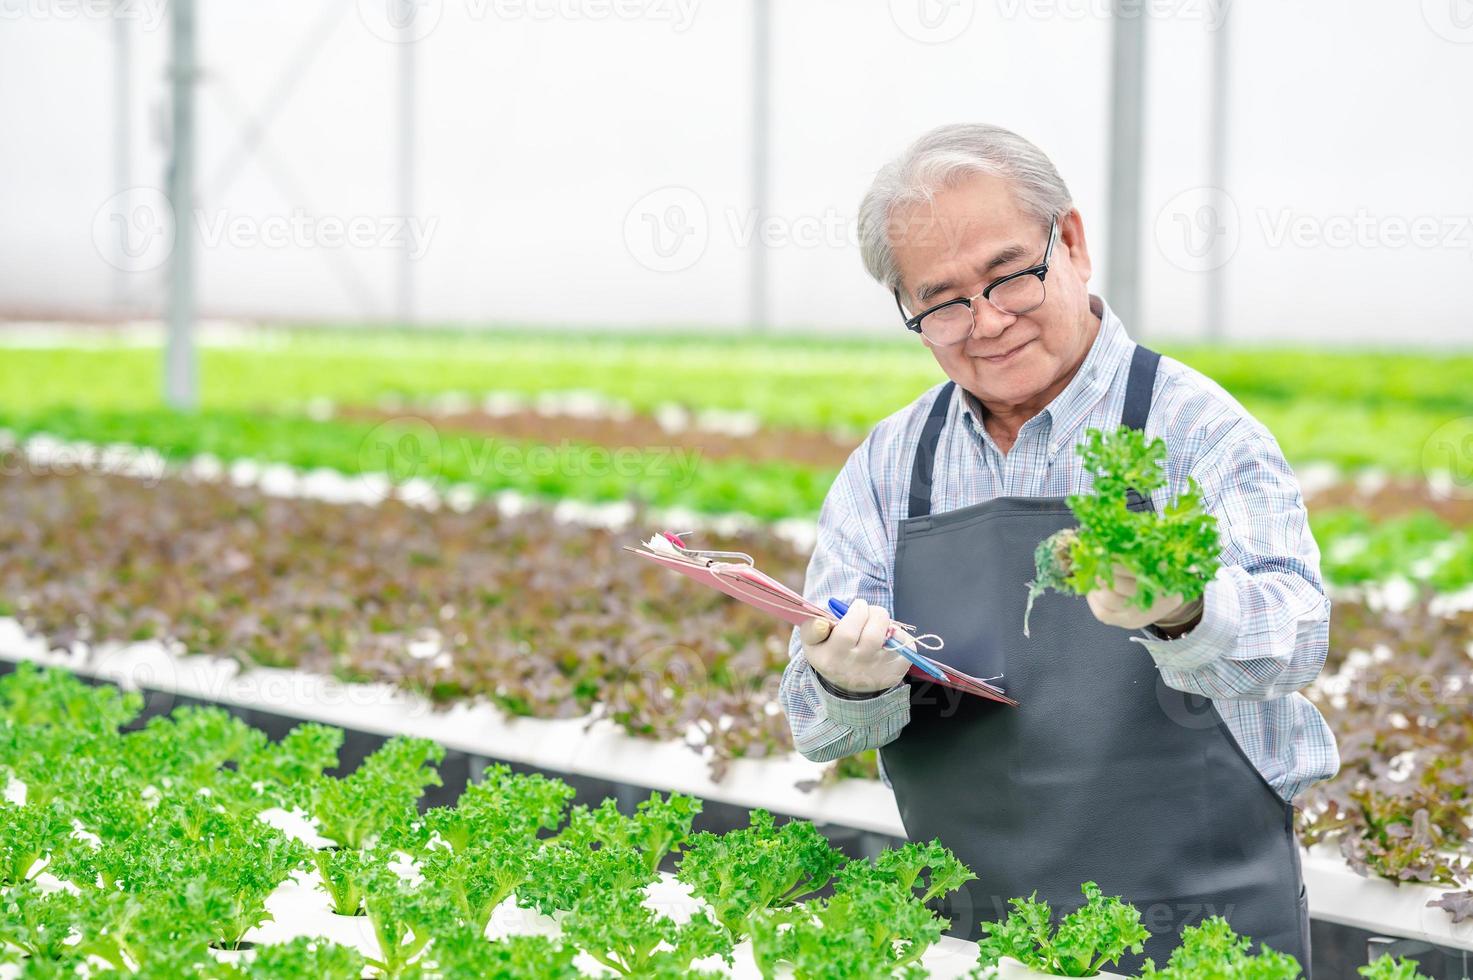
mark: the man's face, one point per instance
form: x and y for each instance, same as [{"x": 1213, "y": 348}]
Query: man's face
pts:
[{"x": 970, "y": 235}]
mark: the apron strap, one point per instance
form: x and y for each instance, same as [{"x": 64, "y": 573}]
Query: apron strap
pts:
[
  {"x": 1138, "y": 388},
  {"x": 925, "y": 460}
]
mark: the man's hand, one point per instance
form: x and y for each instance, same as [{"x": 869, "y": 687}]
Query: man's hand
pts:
[
  {"x": 1116, "y": 606},
  {"x": 851, "y": 654}
]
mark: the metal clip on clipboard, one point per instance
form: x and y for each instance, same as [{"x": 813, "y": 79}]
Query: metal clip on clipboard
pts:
[
  {"x": 677, "y": 542},
  {"x": 735, "y": 573}
]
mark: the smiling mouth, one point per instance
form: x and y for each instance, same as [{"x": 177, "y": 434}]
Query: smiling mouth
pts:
[{"x": 999, "y": 358}]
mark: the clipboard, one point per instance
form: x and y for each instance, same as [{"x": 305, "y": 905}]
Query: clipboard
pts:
[{"x": 736, "y": 574}]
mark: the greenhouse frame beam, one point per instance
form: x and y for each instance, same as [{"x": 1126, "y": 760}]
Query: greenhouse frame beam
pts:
[
  {"x": 122, "y": 141},
  {"x": 180, "y": 372},
  {"x": 1127, "y": 145},
  {"x": 758, "y": 300},
  {"x": 1217, "y": 179}
]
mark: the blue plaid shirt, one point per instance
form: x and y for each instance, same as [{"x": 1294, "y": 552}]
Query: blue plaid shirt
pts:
[{"x": 1265, "y": 624}]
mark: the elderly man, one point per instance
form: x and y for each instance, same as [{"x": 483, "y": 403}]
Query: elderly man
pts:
[{"x": 1156, "y": 752}]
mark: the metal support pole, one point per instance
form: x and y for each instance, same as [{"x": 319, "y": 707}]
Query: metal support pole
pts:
[
  {"x": 180, "y": 384},
  {"x": 404, "y": 307},
  {"x": 1217, "y": 174},
  {"x": 122, "y": 146},
  {"x": 1127, "y": 129},
  {"x": 757, "y": 281}
]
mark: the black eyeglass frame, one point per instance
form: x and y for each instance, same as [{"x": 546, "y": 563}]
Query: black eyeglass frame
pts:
[{"x": 1040, "y": 270}]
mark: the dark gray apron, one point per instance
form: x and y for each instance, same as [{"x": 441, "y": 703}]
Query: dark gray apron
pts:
[{"x": 1102, "y": 773}]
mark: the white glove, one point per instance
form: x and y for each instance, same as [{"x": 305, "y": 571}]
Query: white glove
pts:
[{"x": 851, "y": 654}]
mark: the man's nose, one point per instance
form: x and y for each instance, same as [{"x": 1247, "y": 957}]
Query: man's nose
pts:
[{"x": 988, "y": 322}]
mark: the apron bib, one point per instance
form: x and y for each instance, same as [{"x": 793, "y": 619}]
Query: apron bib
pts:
[{"x": 1103, "y": 773}]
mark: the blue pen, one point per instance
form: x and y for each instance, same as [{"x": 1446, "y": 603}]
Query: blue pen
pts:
[{"x": 839, "y": 608}]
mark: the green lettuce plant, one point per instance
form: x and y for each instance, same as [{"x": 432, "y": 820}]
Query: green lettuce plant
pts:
[
  {"x": 302, "y": 958},
  {"x": 340, "y": 873},
  {"x": 601, "y": 848},
  {"x": 1388, "y": 967},
  {"x": 615, "y": 927},
  {"x": 356, "y": 808},
  {"x": 156, "y": 934},
  {"x": 217, "y": 867},
  {"x": 197, "y": 748},
  {"x": 29, "y": 837},
  {"x": 658, "y": 826},
  {"x": 926, "y": 870},
  {"x": 502, "y": 805},
  {"x": 877, "y": 931},
  {"x": 30, "y": 696},
  {"x": 1171, "y": 552},
  {"x": 1213, "y": 951},
  {"x": 562, "y": 872},
  {"x": 463, "y": 951},
  {"x": 761, "y": 866},
  {"x": 481, "y": 875},
  {"x": 1084, "y": 942},
  {"x": 230, "y": 913},
  {"x": 281, "y": 773},
  {"x": 38, "y": 923},
  {"x": 404, "y": 919},
  {"x": 226, "y": 877}
]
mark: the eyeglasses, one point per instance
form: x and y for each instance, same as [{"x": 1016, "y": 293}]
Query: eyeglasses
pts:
[{"x": 1014, "y": 294}]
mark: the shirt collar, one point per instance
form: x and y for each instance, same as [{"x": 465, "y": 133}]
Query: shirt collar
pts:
[{"x": 1111, "y": 348}]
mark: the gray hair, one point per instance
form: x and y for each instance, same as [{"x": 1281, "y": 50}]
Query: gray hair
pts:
[{"x": 940, "y": 159}]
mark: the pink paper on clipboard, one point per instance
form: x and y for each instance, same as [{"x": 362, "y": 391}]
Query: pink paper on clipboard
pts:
[
  {"x": 766, "y": 593},
  {"x": 754, "y": 587}
]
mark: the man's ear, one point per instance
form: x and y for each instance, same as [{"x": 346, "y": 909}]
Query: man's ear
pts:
[{"x": 1071, "y": 236}]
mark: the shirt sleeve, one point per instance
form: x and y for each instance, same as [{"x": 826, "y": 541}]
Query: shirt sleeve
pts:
[
  {"x": 1265, "y": 621},
  {"x": 847, "y": 563}
]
